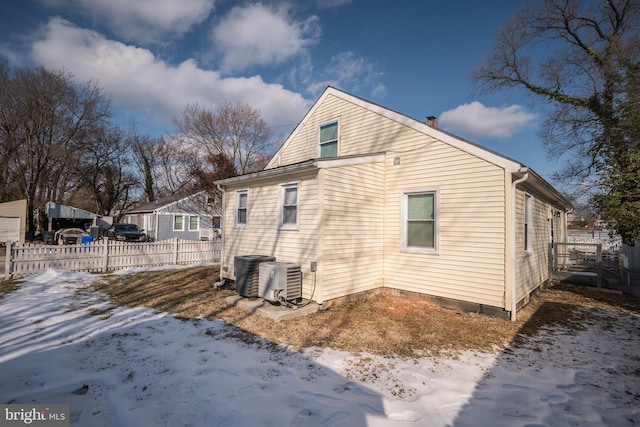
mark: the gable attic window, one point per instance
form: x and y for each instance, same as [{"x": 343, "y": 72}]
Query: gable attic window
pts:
[
  {"x": 419, "y": 223},
  {"x": 289, "y": 206},
  {"x": 329, "y": 139},
  {"x": 242, "y": 208}
]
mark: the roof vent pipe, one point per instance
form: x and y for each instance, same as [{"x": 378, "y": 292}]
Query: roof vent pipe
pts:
[{"x": 432, "y": 121}]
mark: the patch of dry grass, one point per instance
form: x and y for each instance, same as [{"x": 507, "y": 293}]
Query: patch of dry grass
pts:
[
  {"x": 7, "y": 286},
  {"x": 185, "y": 292},
  {"x": 383, "y": 324}
]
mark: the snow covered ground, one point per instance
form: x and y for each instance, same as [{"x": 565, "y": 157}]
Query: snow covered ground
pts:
[{"x": 62, "y": 343}]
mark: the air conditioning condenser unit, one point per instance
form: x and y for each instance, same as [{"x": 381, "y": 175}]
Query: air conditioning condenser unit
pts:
[
  {"x": 246, "y": 272},
  {"x": 280, "y": 281}
]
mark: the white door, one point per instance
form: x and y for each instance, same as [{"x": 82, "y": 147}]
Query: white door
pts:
[{"x": 9, "y": 229}]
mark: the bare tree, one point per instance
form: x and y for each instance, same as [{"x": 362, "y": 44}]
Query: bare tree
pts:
[
  {"x": 174, "y": 165},
  {"x": 9, "y": 190},
  {"x": 234, "y": 129},
  {"x": 107, "y": 172},
  {"x": 47, "y": 123},
  {"x": 575, "y": 55},
  {"x": 222, "y": 167},
  {"x": 146, "y": 161},
  {"x": 579, "y": 56}
]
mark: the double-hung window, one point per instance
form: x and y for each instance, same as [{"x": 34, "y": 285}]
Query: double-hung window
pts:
[
  {"x": 242, "y": 208},
  {"x": 289, "y": 205},
  {"x": 178, "y": 223},
  {"x": 420, "y": 222},
  {"x": 194, "y": 223},
  {"x": 329, "y": 139}
]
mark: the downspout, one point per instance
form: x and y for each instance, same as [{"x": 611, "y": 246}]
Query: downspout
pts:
[
  {"x": 222, "y": 214},
  {"x": 513, "y": 236},
  {"x": 155, "y": 226}
]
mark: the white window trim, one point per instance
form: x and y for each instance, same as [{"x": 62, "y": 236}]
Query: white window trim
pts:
[
  {"x": 173, "y": 218},
  {"x": 329, "y": 122},
  {"x": 528, "y": 222},
  {"x": 197, "y": 217},
  {"x": 237, "y": 224},
  {"x": 404, "y": 215},
  {"x": 151, "y": 222},
  {"x": 283, "y": 187}
]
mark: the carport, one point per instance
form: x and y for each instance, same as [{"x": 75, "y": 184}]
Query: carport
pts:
[{"x": 64, "y": 216}]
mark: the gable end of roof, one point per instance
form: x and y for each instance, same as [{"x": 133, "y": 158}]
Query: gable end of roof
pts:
[{"x": 453, "y": 140}]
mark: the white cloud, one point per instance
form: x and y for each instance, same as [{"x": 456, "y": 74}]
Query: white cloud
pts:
[
  {"x": 347, "y": 70},
  {"x": 477, "y": 121},
  {"x": 258, "y": 35},
  {"x": 147, "y": 21},
  {"x": 328, "y": 4},
  {"x": 10, "y": 55},
  {"x": 151, "y": 89}
]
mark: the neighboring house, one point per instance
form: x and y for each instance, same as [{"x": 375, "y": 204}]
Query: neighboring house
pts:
[
  {"x": 583, "y": 222},
  {"x": 375, "y": 200},
  {"x": 13, "y": 221},
  {"x": 185, "y": 217}
]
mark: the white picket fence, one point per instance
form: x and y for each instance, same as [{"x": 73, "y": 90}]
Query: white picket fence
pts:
[
  {"x": 609, "y": 244},
  {"x": 106, "y": 255}
]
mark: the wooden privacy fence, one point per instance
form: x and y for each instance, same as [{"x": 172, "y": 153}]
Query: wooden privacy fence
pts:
[
  {"x": 106, "y": 255},
  {"x": 629, "y": 267},
  {"x": 631, "y": 257}
]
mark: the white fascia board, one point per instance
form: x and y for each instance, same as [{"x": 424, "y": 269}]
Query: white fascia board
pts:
[
  {"x": 278, "y": 172},
  {"x": 541, "y": 186},
  {"x": 349, "y": 161},
  {"x": 157, "y": 210},
  {"x": 302, "y": 167}
]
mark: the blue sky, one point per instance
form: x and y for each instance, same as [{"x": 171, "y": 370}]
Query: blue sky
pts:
[{"x": 152, "y": 57}]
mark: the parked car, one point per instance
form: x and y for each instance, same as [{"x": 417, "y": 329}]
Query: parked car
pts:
[
  {"x": 69, "y": 236},
  {"x": 125, "y": 232}
]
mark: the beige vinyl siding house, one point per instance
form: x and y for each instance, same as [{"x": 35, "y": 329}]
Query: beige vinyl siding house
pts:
[
  {"x": 468, "y": 262},
  {"x": 351, "y": 230},
  {"x": 532, "y": 250},
  {"x": 398, "y": 205},
  {"x": 262, "y": 232}
]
